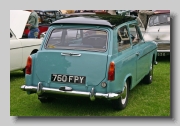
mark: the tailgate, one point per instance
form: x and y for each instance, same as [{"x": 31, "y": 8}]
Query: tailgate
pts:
[{"x": 87, "y": 69}]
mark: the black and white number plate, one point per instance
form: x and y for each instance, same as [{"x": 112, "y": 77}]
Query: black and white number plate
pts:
[{"x": 68, "y": 78}]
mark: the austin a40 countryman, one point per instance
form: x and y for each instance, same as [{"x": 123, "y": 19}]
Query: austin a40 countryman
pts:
[{"x": 98, "y": 56}]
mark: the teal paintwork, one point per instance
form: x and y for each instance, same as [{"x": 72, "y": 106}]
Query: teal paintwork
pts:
[{"x": 93, "y": 65}]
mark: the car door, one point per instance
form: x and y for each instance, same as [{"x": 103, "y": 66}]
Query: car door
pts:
[
  {"x": 15, "y": 53},
  {"x": 141, "y": 50},
  {"x": 127, "y": 56}
]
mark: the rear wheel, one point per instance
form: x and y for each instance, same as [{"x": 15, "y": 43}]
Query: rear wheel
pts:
[
  {"x": 149, "y": 77},
  {"x": 44, "y": 99},
  {"x": 121, "y": 102}
]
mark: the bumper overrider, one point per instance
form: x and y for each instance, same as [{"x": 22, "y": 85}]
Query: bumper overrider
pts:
[{"x": 68, "y": 91}]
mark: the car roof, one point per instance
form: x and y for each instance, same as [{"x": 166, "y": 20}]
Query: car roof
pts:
[
  {"x": 86, "y": 13},
  {"x": 162, "y": 11},
  {"x": 95, "y": 19}
]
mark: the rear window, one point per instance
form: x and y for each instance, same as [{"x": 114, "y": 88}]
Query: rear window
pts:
[
  {"x": 161, "y": 19},
  {"x": 78, "y": 39}
]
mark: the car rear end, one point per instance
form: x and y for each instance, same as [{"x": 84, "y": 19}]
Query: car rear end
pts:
[
  {"x": 72, "y": 61},
  {"x": 158, "y": 30}
]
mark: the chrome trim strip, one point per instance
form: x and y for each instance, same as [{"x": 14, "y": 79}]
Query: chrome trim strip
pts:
[
  {"x": 163, "y": 50},
  {"x": 92, "y": 95},
  {"x": 25, "y": 46}
]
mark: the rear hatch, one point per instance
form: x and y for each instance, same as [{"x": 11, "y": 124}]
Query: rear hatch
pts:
[
  {"x": 158, "y": 29},
  {"x": 73, "y": 61}
]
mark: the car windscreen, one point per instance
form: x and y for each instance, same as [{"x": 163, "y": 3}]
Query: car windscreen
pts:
[
  {"x": 160, "y": 19},
  {"x": 78, "y": 39}
]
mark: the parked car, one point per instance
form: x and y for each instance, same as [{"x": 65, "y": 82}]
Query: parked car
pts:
[
  {"x": 46, "y": 17},
  {"x": 158, "y": 30},
  {"x": 20, "y": 48},
  {"x": 105, "y": 64}
]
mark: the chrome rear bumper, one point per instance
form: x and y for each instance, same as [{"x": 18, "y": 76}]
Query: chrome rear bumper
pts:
[{"x": 92, "y": 95}]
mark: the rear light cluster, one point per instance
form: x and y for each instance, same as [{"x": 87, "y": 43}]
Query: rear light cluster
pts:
[
  {"x": 28, "y": 65},
  {"x": 111, "y": 71}
]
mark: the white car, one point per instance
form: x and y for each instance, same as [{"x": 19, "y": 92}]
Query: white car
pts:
[
  {"x": 20, "y": 48},
  {"x": 158, "y": 30}
]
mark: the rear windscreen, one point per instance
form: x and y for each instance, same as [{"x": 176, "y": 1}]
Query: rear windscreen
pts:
[{"x": 78, "y": 39}]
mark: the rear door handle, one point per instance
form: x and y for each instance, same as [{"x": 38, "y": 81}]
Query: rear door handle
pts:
[{"x": 70, "y": 54}]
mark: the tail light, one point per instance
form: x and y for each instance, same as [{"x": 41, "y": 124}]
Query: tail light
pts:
[
  {"x": 28, "y": 65},
  {"x": 111, "y": 71}
]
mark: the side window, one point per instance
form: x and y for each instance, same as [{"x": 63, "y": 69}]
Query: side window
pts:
[
  {"x": 153, "y": 20},
  {"x": 123, "y": 38},
  {"x": 134, "y": 34}
]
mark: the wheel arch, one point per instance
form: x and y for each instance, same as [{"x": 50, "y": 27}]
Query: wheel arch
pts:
[
  {"x": 129, "y": 78},
  {"x": 34, "y": 51}
]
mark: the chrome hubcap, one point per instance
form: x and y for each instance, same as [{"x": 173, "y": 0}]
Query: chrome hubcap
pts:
[
  {"x": 151, "y": 72},
  {"x": 124, "y": 94}
]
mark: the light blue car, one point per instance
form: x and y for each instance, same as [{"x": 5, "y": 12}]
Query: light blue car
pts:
[{"x": 97, "y": 56}]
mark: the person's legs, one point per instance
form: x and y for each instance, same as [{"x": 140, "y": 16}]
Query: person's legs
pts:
[{"x": 33, "y": 33}]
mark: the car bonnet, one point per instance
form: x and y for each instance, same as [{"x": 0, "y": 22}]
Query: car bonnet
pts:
[{"x": 18, "y": 20}]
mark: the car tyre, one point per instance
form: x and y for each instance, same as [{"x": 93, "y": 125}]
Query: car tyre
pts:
[
  {"x": 43, "y": 99},
  {"x": 121, "y": 102},
  {"x": 149, "y": 77}
]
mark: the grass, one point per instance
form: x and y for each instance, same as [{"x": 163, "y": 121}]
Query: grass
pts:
[{"x": 145, "y": 100}]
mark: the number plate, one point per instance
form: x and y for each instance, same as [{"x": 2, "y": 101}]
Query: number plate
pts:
[
  {"x": 68, "y": 78},
  {"x": 161, "y": 54}
]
